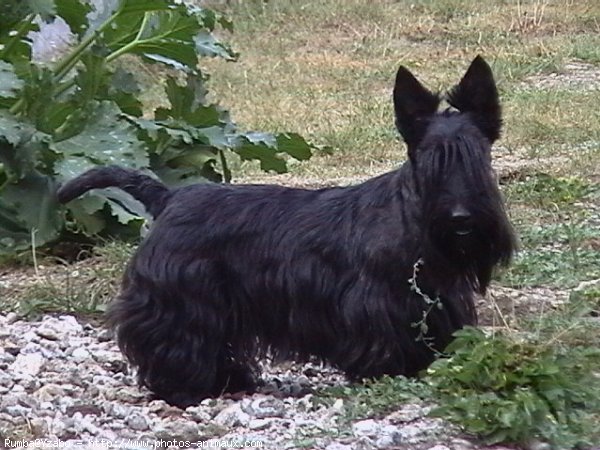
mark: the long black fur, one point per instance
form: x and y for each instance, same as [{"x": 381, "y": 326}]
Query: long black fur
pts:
[{"x": 230, "y": 273}]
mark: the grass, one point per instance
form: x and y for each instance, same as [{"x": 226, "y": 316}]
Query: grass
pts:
[
  {"x": 326, "y": 70},
  {"x": 82, "y": 289},
  {"x": 557, "y": 220}
]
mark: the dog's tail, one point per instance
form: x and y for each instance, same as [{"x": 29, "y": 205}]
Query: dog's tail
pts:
[{"x": 152, "y": 193}]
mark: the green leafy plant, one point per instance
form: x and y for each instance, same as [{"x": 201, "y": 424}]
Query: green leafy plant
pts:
[
  {"x": 509, "y": 389},
  {"x": 59, "y": 119}
]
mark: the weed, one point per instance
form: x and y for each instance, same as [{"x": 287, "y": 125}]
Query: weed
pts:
[
  {"x": 83, "y": 289},
  {"x": 375, "y": 398},
  {"x": 505, "y": 388},
  {"x": 552, "y": 267}
]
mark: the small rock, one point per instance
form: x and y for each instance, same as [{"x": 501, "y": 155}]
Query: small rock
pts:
[
  {"x": 408, "y": 413},
  {"x": 83, "y": 424},
  {"x": 11, "y": 318},
  {"x": 27, "y": 364},
  {"x": 18, "y": 389},
  {"x": 80, "y": 354},
  {"x": 129, "y": 395},
  {"x": 38, "y": 426},
  {"x": 338, "y": 446},
  {"x": 461, "y": 444},
  {"x": 6, "y": 357},
  {"x": 369, "y": 428},
  {"x": 109, "y": 357},
  {"x": 181, "y": 430},
  {"x": 266, "y": 407},
  {"x": 389, "y": 435},
  {"x": 137, "y": 422},
  {"x": 259, "y": 424},
  {"x": 108, "y": 435},
  {"x": 232, "y": 416},
  {"x": 163, "y": 408},
  {"x": 48, "y": 332},
  {"x": 105, "y": 335},
  {"x": 198, "y": 414},
  {"x": 49, "y": 392},
  {"x": 6, "y": 380},
  {"x": 47, "y": 406},
  {"x": 420, "y": 431},
  {"x": 338, "y": 405},
  {"x": 69, "y": 325},
  {"x": 536, "y": 444},
  {"x": 117, "y": 410},
  {"x": 439, "y": 447},
  {"x": 17, "y": 411}
]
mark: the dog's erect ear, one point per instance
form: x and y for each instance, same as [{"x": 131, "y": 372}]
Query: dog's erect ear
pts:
[
  {"x": 413, "y": 105},
  {"x": 477, "y": 94}
]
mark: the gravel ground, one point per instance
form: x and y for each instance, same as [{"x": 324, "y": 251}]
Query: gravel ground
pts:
[{"x": 65, "y": 381}]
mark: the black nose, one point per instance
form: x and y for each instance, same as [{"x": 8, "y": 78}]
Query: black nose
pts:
[
  {"x": 460, "y": 220},
  {"x": 460, "y": 215}
]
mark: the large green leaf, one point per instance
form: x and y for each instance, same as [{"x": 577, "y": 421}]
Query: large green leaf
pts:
[
  {"x": 106, "y": 139},
  {"x": 294, "y": 145},
  {"x": 124, "y": 90},
  {"x": 122, "y": 30},
  {"x": 10, "y": 84},
  {"x": 137, "y": 6},
  {"x": 11, "y": 12},
  {"x": 133, "y": 9},
  {"x": 181, "y": 151},
  {"x": 250, "y": 146},
  {"x": 74, "y": 12},
  {"x": 20, "y": 144},
  {"x": 174, "y": 54},
  {"x": 210, "y": 18},
  {"x": 269, "y": 149},
  {"x": 96, "y": 81},
  {"x": 45, "y": 8},
  {"x": 170, "y": 34},
  {"x": 38, "y": 93},
  {"x": 208, "y": 45},
  {"x": 11, "y": 128},
  {"x": 188, "y": 103},
  {"x": 92, "y": 77},
  {"x": 166, "y": 36},
  {"x": 28, "y": 210},
  {"x": 83, "y": 210}
]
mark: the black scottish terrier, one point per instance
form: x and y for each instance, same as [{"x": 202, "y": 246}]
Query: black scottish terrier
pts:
[{"x": 348, "y": 274}]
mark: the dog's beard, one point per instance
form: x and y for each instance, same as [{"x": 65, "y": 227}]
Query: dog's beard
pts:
[{"x": 471, "y": 250}]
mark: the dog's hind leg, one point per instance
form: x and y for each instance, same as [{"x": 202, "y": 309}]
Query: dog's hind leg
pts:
[
  {"x": 179, "y": 337},
  {"x": 175, "y": 343}
]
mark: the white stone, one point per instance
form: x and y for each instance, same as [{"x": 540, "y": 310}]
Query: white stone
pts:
[
  {"x": 137, "y": 422},
  {"x": 232, "y": 416},
  {"x": 259, "y": 424},
  {"x": 369, "y": 428},
  {"x": 27, "y": 364},
  {"x": 80, "y": 354}
]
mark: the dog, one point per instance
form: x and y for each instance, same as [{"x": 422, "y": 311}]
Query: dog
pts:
[{"x": 372, "y": 278}]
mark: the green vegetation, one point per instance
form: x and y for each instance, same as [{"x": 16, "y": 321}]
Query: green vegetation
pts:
[
  {"x": 59, "y": 119},
  {"x": 506, "y": 388}
]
